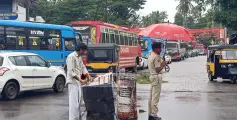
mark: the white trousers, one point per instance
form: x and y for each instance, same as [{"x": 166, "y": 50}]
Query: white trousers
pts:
[{"x": 74, "y": 101}]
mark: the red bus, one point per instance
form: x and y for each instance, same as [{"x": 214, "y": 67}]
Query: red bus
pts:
[{"x": 95, "y": 32}]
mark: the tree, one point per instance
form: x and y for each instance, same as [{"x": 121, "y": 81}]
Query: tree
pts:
[
  {"x": 227, "y": 13},
  {"x": 213, "y": 4},
  {"x": 154, "y": 18},
  {"x": 178, "y": 19},
  {"x": 184, "y": 7},
  {"x": 112, "y": 11}
]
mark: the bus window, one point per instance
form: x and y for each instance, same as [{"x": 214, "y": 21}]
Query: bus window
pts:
[
  {"x": 122, "y": 40},
  {"x": 16, "y": 38},
  {"x": 54, "y": 39},
  {"x": 103, "y": 38},
  {"x": 130, "y": 41},
  {"x": 54, "y": 43},
  {"x": 125, "y": 39},
  {"x": 136, "y": 42},
  {"x": 2, "y": 38},
  {"x": 107, "y": 40},
  {"x": 70, "y": 44},
  {"x": 117, "y": 39},
  {"x": 112, "y": 38}
]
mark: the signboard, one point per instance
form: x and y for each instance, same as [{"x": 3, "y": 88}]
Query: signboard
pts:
[{"x": 8, "y": 16}]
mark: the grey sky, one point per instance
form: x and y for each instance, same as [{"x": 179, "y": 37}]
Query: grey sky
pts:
[{"x": 161, "y": 5}]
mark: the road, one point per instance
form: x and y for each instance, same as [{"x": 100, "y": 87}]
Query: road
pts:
[{"x": 186, "y": 95}]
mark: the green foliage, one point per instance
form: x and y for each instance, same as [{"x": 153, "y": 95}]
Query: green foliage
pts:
[
  {"x": 227, "y": 13},
  {"x": 178, "y": 19},
  {"x": 154, "y": 18},
  {"x": 65, "y": 11},
  {"x": 143, "y": 78}
]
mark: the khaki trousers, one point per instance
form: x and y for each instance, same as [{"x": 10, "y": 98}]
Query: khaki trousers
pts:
[{"x": 156, "y": 82}]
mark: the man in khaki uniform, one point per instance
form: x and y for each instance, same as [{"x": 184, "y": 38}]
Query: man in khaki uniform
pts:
[{"x": 155, "y": 65}]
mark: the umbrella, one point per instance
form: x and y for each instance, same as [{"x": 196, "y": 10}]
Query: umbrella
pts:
[{"x": 168, "y": 31}]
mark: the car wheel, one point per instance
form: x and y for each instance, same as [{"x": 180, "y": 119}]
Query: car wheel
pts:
[
  {"x": 59, "y": 84},
  {"x": 10, "y": 91}
]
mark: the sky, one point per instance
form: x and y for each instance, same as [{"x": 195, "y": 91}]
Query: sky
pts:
[{"x": 161, "y": 5}]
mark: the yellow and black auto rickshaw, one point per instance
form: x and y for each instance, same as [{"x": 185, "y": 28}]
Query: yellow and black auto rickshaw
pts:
[
  {"x": 103, "y": 58},
  {"x": 222, "y": 62}
]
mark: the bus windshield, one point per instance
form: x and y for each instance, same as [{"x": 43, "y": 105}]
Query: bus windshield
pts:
[
  {"x": 144, "y": 44},
  {"x": 78, "y": 37},
  {"x": 100, "y": 55},
  {"x": 229, "y": 55},
  {"x": 85, "y": 33},
  {"x": 171, "y": 45}
]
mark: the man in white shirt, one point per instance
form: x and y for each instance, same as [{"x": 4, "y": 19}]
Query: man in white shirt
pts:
[{"x": 75, "y": 68}]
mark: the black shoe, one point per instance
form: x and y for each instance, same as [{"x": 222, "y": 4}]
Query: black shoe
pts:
[{"x": 154, "y": 118}]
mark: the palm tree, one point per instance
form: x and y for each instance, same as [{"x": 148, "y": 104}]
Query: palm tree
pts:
[
  {"x": 201, "y": 7},
  {"x": 212, "y": 3},
  {"x": 184, "y": 7}
]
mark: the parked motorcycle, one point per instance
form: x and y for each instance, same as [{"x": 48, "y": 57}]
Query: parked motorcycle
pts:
[{"x": 167, "y": 68}]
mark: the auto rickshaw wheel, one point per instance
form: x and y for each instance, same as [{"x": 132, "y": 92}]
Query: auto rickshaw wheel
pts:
[
  {"x": 210, "y": 77},
  {"x": 233, "y": 81}
]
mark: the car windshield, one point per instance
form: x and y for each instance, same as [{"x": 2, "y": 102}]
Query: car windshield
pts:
[
  {"x": 1, "y": 61},
  {"x": 229, "y": 55},
  {"x": 100, "y": 55}
]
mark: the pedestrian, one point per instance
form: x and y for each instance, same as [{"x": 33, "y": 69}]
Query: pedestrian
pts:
[
  {"x": 155, "y": 66},
  {"x": 75, "y": 68}
]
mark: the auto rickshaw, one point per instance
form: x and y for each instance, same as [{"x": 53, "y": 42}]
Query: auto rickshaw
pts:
[
  {"x": 103, "y": 58},
  {"x": 222, "y": 62}
]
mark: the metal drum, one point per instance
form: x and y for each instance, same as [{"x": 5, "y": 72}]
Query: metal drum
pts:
[{"x": 126, "y": 98}]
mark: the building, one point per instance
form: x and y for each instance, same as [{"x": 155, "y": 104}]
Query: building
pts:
[
  {"x": 15, "y": 10},
  {"x": 11, "y": 10}
]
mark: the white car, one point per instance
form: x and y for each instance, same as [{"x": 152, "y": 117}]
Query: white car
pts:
[
  {"x": 20, "y": 71},
  {"x": 168, "y": 59},
  {"x": 143, "y": 63}
]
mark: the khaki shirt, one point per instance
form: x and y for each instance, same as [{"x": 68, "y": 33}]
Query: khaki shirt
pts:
[
  {"x": 154, "y": 61},
  {"x": 75, "y": 67}
]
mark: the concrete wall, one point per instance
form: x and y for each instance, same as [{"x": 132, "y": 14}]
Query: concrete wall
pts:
[{"x": 21, "y": 11}]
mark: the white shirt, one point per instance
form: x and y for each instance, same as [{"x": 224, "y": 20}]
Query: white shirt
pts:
[{"x": 75, "y": 67}]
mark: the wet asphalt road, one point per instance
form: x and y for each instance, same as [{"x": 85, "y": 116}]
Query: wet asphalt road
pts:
[{"x": 187, "y": 95}]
